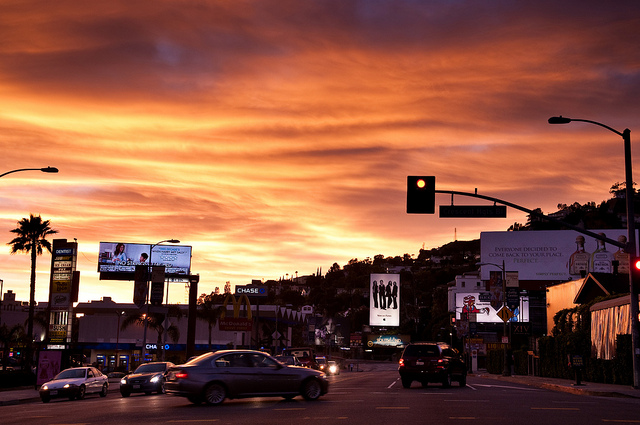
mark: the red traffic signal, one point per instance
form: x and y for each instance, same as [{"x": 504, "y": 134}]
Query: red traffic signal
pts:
[{"x": 421, "y": 194}]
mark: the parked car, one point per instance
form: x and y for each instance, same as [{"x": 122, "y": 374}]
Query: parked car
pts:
[
  {"x": 431, "y": 362},
  {"x": 213, "y": 377},
  {"x": 332, "y": 368},
  {"x": 306, "y": 355},
  {"x": 288, "y": 360},
  {"x": 148, "y": 378},
  {"x": 75, "y": 383}
]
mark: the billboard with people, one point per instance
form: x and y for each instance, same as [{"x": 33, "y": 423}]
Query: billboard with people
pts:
[
  {"x": 118, "y": 260},
  {"x": 477, "y": 307},
  {"x": 384, "y": 304}
]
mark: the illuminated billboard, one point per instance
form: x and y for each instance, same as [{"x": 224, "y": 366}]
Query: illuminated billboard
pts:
[
  {"x": 478, "y": 306},
  {"x": 117, "y": 260},
  {"x": 552, "y": 254},
  {"x": 384, "y": 302}
]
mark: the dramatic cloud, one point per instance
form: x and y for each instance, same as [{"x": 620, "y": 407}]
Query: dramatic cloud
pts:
[{"x": 275, "y": 137}]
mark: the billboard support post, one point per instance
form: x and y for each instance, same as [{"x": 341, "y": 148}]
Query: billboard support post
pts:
[
  {"x": 506, "y": 371},
  {"x": 146, "y": 317}
]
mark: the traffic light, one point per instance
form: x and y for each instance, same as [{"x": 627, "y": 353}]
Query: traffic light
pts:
[
  {"x": 635, "y": 272},
  {"x": 421, "y": 194}
]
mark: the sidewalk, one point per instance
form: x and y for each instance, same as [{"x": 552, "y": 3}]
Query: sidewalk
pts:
[{"x": 568, "y": 386}]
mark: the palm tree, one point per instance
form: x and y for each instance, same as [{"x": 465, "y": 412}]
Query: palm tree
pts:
[
  {"x": 31, "y": 238},
  {"x": 155, "y": 322},
  {"x": 209, "y": 311}
]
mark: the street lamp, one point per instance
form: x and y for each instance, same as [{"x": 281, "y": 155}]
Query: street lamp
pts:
[
  {"x": 44, "y": 170},
  {"x": 146, "y": 317},
  {"x": 31, "y": 301},
  {"x": 506, "y": 370},
  {"x": 119, "y": 314},
  {"x": 631, "y": 239}
]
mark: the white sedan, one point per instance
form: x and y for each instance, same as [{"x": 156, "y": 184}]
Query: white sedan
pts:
[{"x": 75, "y": 383}]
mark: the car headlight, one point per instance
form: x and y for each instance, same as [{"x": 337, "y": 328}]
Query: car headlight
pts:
[
  {"x": 123, "y": 381},
  {"x": 156, "y": 378},
  {"x": 332, "y": 369},
  {"x": 67, "y": 386},
  {"x": 44, "y": 387}
]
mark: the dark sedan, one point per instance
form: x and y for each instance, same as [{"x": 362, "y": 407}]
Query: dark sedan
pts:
[
  {"x": 213, "y": 377},
  {"x": 148, "y": 378}
]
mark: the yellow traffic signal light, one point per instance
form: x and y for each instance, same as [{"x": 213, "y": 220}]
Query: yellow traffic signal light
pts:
[{"x": 421, "y": 194}]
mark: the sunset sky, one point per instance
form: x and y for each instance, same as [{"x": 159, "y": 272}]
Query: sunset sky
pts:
[{"x": 275, "y": 136}]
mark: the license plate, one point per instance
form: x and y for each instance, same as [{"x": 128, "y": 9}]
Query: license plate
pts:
[
  {"x": 53, "y": 392},
  {"x": 136, "y": 387},
  {"x": 419, "y": 363}
]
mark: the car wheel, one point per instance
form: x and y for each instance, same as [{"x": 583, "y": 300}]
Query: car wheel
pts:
[
  {"x": 162, "y": 389},
  {"x": 463, "y": 381},
  {"x": 215, "y": 394},
  {"x": 406, "y": 383},
  {"x": 425, "y": 384},
  {"x": 125, "y": 393},
  {"x": 103, "y": 393},
  {"x": 446, "y": 381},
  {"x": 81, "y": 392},
  {"x": 311, "y": 390},
  {"x": 46, "y": 399}
]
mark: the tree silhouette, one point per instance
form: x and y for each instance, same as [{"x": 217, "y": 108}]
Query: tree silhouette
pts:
[
  {"x": 210, "y": 309},
  {"x": 31, "y": 238},
  {"x": 155, "y": 322}
]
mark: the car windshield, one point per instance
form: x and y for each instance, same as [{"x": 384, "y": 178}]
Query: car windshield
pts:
[
  {"x": 289, "y": 360},
  {"x": 150, "y": 368},
  {"x": 422, "y": 350},
  {"x": 71, "y": 374}
]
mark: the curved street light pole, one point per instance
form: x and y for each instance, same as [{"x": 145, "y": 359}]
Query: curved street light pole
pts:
[
  {"x": 631, "y": 239},
  {"x": 44, "y": 170}
]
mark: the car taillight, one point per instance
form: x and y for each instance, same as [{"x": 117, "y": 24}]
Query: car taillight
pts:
[
  {"x": 182, "y": 374},
  {"x": 401, "y": 362}
]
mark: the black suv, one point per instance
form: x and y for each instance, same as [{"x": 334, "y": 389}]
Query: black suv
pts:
[{"x": 431, "y": 362}]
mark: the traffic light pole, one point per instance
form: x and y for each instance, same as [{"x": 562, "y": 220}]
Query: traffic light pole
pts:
[{"x": 539, "y": 215}]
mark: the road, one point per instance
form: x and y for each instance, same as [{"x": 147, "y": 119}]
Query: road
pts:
[{"x": 357, "y": 398}]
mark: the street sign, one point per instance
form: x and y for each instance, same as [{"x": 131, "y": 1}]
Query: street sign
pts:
[
  {"x": 473, "y": 211},
  {"x": 505, "y": 314}
]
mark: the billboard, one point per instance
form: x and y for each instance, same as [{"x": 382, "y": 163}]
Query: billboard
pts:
[
  {"x": 384, "y": 302},
  {"x": 552, "y": 254},
  {"x": 479, "y": 308},
  {"x": 117, "y": 260}
]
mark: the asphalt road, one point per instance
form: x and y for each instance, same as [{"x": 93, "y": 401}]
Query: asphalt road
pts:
[{"x": 358, "y": 398}]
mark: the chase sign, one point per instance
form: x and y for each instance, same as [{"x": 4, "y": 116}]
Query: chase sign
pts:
[{"x": 252, "y": 290}]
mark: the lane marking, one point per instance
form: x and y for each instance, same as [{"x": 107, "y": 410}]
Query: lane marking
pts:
[
  {"x": 554, "y": 408},
  {"x": 392, "y": 408},
  {"x": 508, "y": 387}
]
